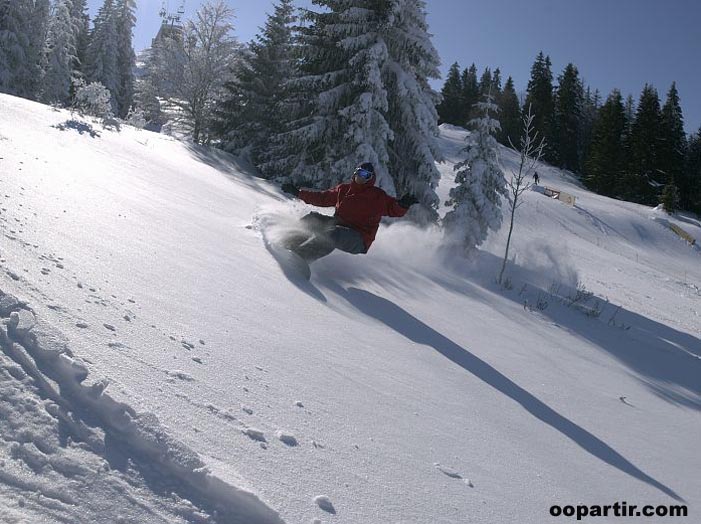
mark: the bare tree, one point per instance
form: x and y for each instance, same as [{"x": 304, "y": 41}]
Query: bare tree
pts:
[
  {"x": 189, "y": 67},
  {"x": 531, "y": 150}
]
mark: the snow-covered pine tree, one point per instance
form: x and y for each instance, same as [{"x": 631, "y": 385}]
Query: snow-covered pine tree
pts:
[
  {"x": 476, "y": 199},
  {"x": 253, "y": 108},
  {"x": 363, "y": 95},
  {"x": 101, "y": 60},
  {"x": 60, "y": 55},
  {"x": 15, "y": 65},
  {"x": 36, "y": 54},
  {"x": 126, "y": 58},
  {"x": 339, "y": 101},
  {"x": 81, "y": 21},
  {"x": 412, "y": 114},
  {"x": 147, "y": 89}
]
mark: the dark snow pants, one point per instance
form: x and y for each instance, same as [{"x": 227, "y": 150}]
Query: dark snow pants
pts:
[{"x": 321, "y": 235}]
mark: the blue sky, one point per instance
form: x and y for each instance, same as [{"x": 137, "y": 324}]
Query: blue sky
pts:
[{"x": 614, "y": 43}]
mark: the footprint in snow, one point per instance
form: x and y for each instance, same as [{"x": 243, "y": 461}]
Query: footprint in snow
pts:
[
  {"x": 453, "y": 474},
  {"x": 254, "y": 434},
  {"x": 180, "y": 375},
  {"x": 287, "y": 438},
  {"x": 325, "y": 503}
]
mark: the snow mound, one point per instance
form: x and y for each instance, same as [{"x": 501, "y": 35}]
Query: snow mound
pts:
[{"x": 32, "y": 349}]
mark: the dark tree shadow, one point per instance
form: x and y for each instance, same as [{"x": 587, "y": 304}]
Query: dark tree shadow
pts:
[
  {"x": 232, "y": 166},
  {"x": 80, "y": 127},
  {"x": 666, "y": 360},
  {"x": 415, "y": 330}
]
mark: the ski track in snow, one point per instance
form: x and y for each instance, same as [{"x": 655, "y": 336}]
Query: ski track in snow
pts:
[{"x": 73, "y": 454}]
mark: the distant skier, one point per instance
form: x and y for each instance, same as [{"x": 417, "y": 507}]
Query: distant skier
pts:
[
  {"x": 359, "y": 208},
  {"x": 536, "y": 178}
]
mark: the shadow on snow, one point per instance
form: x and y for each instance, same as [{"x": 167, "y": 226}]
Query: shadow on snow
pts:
[{"x": 415, "y": 330}]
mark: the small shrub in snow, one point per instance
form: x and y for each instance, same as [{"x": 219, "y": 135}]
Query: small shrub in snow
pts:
[
  {"x": 581, "y": 295},
  {"x": 93, "y": 100},
  {"x": 137, "y": 119}
]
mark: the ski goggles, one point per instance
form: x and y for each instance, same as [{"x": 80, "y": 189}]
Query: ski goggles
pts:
[{"x": 363, "y": 173}]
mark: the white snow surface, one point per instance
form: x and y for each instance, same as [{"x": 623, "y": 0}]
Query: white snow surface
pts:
[{"x": 154, "y": 354}]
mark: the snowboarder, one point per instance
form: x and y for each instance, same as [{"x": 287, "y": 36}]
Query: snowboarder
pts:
[
  {"x": 359, "y": 208},
  {"x": 536, "y": 178}
]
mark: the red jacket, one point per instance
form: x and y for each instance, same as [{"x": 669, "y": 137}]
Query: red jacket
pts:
[{"x": 359, "y": 206}]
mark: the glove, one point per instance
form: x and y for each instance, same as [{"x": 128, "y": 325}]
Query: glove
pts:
[
  {"x": 407, "y": 201},
  {"x": 289, "y": 188}
]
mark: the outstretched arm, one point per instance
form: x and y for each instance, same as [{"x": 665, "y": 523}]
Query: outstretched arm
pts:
[
  {"x": 398, "y": 208},
  {"x": 326, "y": 198}
]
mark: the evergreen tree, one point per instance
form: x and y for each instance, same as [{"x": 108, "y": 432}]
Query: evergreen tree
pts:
[
  {"x": 81, "y": 23},
  {"x": 253, "y": 108},
  {"x": 412, "y": 115},
  {"x": 152, "y": 85},
  {"x": 341, "y": 117},
  {"x": 590, "y": 115},
  {"x": 673, "y": 145},
  {"x": 690, "y": 186},
  {"x": 606, "y": 161},
  {"x": 539, "y": 97},
  {"x": 36, "y": 53},
  {"x": 450, "y": 110},
  {"x": 509, "y": 115},
  {"x": 630, "y": 112},
  {"x": 496, "y": 83},
  {"x": 15, "y": 62},
  {"x": 470, "y": 92},
  {"x": 645, "y": 171},
  {"x": 485, "y": 85},
  {"x": 670, "y": 197},
  {"x": 476, "y": 199},
  {"x": 126, "y": 58},
  {"x": 102, "y": 53},
  {"x": 363, "y": 95},
  {"x": 60, "y": 52},
  {"x": 568, "y": 118},
  {"x": 690, "y": 197}
]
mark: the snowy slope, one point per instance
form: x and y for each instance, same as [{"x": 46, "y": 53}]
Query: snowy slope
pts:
[{"x": 404, "y": 385}]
